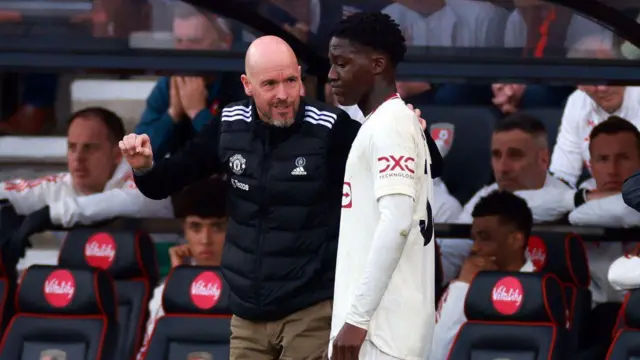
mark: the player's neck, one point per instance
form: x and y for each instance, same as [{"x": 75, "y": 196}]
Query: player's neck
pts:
[
  {"x": 378, "y": 95},
  {"x": 515, "y": 265}
]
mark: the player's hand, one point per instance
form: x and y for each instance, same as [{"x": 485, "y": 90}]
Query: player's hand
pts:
[
  {"x": 176, "y": 111},
  {"x": 137, "y": 151},
  {"x": 193, "y": 94},
  {"x": 178, "y": 254},
  {"x": 346, "y": 346},
  {"x": 423, "y": 122},
  {"x": 474, "y": 264}
]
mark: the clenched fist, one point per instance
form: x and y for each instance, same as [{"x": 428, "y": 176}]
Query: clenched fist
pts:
[{"x": 137, "y": 150}]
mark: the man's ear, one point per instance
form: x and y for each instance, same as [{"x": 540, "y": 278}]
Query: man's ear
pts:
[
  {"x": 518, "y": 240},
  {"x": 378, "y": 64},
  {"x": 247, "y": 85}
]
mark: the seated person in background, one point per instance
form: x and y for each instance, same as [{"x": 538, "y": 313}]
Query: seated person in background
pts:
[
  {"x": 179, "y": 106},
  {"x": 203, "y": 207},
  {"x": 99, "y": 185},
  {"x": 587, "y": 107},
  {"x": 510, "y": 98},
  {"x": 614, "y": 150},
  {"x": 519, "y": 159},
  {"x": 500, "y": 230}
]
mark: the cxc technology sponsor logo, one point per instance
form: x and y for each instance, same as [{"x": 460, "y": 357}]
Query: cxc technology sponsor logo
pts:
[{"x": 396, "y": 166}]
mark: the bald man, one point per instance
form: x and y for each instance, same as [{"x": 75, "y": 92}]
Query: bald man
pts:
[{"x": 285, "y": 157}]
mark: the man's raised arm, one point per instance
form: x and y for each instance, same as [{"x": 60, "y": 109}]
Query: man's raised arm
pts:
[{"x": 196, "y": 161}]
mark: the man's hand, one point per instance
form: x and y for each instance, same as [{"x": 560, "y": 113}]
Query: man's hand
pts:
[
  {"x": 506, "y": 97},
  {"x": 423, "y": 122},
  {"x": 346, "y": 346},
  {"x": 175, "y": 105},
  {"x": 473, "y": 265},
  {"x": 193, "y": 94},
  {"x": 299, "y": 30},
  {"x": 137, "y": 151},
  {"x": 178, "y": 254}
]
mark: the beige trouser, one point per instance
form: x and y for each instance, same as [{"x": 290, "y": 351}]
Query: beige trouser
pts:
[{"x": 303, "y": 335}]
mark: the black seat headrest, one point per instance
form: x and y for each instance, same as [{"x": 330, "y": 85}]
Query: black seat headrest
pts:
[
  {"x": 562, "y": 255},
  {"x": 195, "y": 290},
  {"x": 123, "y": 254},
  {"x": 55, "y": 290},
  {"x": 523, "y": 297},
  {"x": 632, "y": 310}
]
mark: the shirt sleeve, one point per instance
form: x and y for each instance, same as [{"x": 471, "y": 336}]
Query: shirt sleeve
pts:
[
  {"x": 567, "y": 160},
  {"x": 548, "y": 204},
  {"x": 388, "y": 242},
  {"x": 196, "y": 161},
  {"x": 449, "y": 318},
  {"x": 125, "y": 202},
  {"x": 27, "y": 196},
  {"x": 446, "y": 207},
  {"x": 610, "y": 211},
  {"x": 394, "y": 152}
]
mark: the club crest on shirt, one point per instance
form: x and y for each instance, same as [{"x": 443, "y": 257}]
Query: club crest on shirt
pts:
[
  {"x": 237, "y": 163},
  {"x": 442, "y": 134}
]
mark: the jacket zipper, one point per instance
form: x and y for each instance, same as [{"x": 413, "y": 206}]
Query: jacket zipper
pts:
[{"x": 263, "y": 214}]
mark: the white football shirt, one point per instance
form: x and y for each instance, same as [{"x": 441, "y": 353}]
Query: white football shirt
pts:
[{"x": 389, "y": 156}]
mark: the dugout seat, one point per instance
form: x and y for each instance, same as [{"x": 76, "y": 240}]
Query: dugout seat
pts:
[
  {"x": 129, "y": 257},
  {"x": 512, "y": 316},
  {"x": 564, "y": 255},
  {"x": 466, "y": 133},
  {"x": 197, "y": 320},
  {"x": 626, "y": 344},
  {"x": 63, "y": 313},
  {"x": 8, "y": 284}
]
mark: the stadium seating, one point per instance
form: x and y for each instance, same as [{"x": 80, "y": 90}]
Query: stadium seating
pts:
[
  {"x": 466, "y": 132},
  {"x": 130, "y": 259},
  {"x": 63, "y": 314},
  {"x": 565, "y": 256},
  {"x": 626, "y": 344},
  {"x": 513, "y": 316},
  {"x": 197, "y": 321}
]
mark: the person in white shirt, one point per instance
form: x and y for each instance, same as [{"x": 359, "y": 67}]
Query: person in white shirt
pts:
[
  {"x": 98, "y": 186},
  {"x": 614, "y": 150},
  {"x": 500, "y": 230},
  {"x": 587, "y": 107},
  {"x": 203, "y": 207},
  {"x": 574, "y": 27},
  {"x": 519, "y": 159},
  {"x": 384, "y": 289},
  {"x": 446, "y": 208},
  {"x": 446, "y": 23}
]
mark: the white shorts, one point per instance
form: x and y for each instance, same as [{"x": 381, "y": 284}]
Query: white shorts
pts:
[{"x": 368, "y": 351}]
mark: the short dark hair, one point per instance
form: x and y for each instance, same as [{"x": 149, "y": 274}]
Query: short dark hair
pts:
[
  {"x": 523, "y": 122},
  {"x": 375, "y": 30},
  {"x": 205, "y": 199},
  {"x": 615, "y": 125},
  {"x": 113, "y": 122},
  {"x": 510, "y": 208},
  {"x": 182, "y": 10}
]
